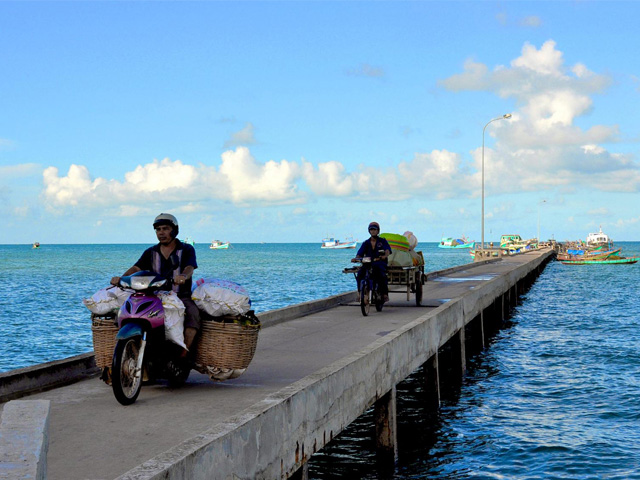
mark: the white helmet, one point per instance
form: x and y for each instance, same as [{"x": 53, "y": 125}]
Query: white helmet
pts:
[{"x": 167, "y": 219}]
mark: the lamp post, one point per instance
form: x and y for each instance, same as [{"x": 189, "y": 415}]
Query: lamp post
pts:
[
  {"x": 538, "y": 237},
  {"x": 505, "y": 116}
]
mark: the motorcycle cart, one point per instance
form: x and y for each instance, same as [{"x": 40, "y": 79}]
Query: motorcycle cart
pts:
[{"x": 411, "y": 279}]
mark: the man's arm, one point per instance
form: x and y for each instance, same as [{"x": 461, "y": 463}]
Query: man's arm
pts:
[
  {"x": 186, "y": 274},
  {"x": 116, "y": 280}
]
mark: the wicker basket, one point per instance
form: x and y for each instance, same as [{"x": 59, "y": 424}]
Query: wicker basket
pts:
[
  {"x": 104, "y": 329},
  {"x": 223, "y": 345}
]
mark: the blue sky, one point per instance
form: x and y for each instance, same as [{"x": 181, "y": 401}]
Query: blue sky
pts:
[{"x": 290, "y": 121}]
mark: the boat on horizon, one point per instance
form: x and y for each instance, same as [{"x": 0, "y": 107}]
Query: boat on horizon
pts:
[
  {"x": 334, "y": 243},
  {"x": 219, "y": 245},
  {"x": 599, "y": 239},
  {"x": 36, "y": 245},
  {"x": 450, "y": 242}
]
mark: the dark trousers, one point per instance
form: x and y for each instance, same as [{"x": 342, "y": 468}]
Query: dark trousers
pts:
[{"x": 379, "y": 272}]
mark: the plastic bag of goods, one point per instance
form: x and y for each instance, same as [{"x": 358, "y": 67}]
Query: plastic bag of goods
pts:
[
  {"x": 106, "y": 300},
  {"x": 219, "y": 297},
  {"x": 396, "y": 241},
  {"x": 173, "y": 317},
  {"x": 411, "y": 238}
]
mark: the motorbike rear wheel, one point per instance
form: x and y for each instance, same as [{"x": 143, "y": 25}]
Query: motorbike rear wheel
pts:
[
  {"x": 126, "y": 384},
  {"x": 365, "y": 298}
]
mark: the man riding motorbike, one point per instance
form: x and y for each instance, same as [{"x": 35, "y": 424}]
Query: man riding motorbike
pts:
[
  {"x": 175, "y": 260},
  {"x": 373, "y": 248}
]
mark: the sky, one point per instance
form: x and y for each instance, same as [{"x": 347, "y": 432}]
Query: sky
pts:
[{"x": 292, "y": 121}]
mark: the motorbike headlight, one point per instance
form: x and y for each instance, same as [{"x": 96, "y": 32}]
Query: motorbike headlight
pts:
[{"x": 141, "y": 283}]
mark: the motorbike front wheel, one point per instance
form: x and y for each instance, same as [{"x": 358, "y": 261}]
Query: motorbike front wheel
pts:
[
  {"x": 126, "y": 384},
  {"x": 365, "y": 300}
]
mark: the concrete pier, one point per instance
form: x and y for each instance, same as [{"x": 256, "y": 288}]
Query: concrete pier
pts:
[{"x": 315, "y": 372}]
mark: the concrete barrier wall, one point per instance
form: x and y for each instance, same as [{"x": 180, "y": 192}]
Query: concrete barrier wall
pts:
[
  {"x": 24, "y": 439},
  {"x": 275, "y": 437}
]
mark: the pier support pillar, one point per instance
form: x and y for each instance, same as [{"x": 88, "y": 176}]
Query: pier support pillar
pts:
[
  {"x": 463, "y": 356},
  {"x": 386, "y": 427},
  {"x": 431, "y": 378},
  {"x": 302, "y": 473}
]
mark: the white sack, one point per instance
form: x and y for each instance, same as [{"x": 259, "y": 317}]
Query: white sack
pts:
[
  {"x": 173, "y": 317},
  {"x": 219, "y": 297},
  {"x": 106, "y": 300},
  {"x": 399, "y": 258}
]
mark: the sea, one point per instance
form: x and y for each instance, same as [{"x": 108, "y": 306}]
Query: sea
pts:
[{"x": 555, "y": 394}]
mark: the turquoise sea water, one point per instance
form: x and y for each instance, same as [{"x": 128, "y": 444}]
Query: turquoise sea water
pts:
[
  {"x": 42, "y": 317},
  {"x": 554, "y": 396}
]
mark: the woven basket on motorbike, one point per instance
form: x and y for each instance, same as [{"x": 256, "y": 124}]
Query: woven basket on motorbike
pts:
[
  {"x": 226, "y": 344},
  {"x": 104, "y": 329}
]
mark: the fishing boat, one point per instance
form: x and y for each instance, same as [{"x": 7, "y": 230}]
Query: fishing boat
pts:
[
  {"x": 613, "y": 260},
  {"x": 599, "y": 239},
  {"x": 450, "y": 242},
  {"x": 36, "y": 245},
  {"x": 331, "y": 242},
  {"x": 515, "y": 244},
  {"x": 599, "y": 254},
  {"x": 219, "y": 245},
  {"x": 189, "y": 241}
]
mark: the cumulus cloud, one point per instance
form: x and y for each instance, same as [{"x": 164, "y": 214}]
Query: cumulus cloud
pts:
[{"x": 541, "y": 146}]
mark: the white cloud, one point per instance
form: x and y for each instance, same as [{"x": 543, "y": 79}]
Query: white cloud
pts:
[
  {"x": 19, "y": 171},
  {"x": 531, "y": 21},
  {"x": 245, "y": 137},
  {"x": 541, "y": 146},
  {"x": 366, "y": 70}
]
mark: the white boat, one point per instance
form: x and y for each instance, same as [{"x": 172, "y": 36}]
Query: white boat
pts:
[
  {"x": 599, "y": 239},
  {"x": 331, "y": 242},
  {"x": 218, "y": 245}
]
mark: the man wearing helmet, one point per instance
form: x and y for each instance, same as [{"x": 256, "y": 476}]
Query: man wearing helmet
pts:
[
  {"x": 379, "y": 250},
  {"x": 172, "y": 259}
]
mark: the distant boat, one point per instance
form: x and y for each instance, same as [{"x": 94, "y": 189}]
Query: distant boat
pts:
[
  {"x": 450, "y": 242},
  {"x": 189, "y": 241},
  {"x": 613, "y": 260},
  {"x": 218, "y": 245},
  {"x": 599, "y": 239},
  {"x": 331, "y": 242},
  {"x": 36, "y": 245},
  {"x": 587, "y": 255}
]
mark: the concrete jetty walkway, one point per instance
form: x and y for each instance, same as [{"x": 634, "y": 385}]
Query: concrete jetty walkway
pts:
[{"x": 92, "y": 436}]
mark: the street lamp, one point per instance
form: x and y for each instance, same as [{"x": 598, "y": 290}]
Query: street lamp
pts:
[
  {"x": 505, "y": 116},
  {"x": 539, "y": 203}
]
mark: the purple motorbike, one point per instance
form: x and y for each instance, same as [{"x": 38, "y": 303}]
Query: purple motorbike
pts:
[{"x": 141, "y": 351}]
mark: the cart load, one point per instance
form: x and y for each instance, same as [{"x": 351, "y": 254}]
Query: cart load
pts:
[{"x": 405, "y": 266}]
